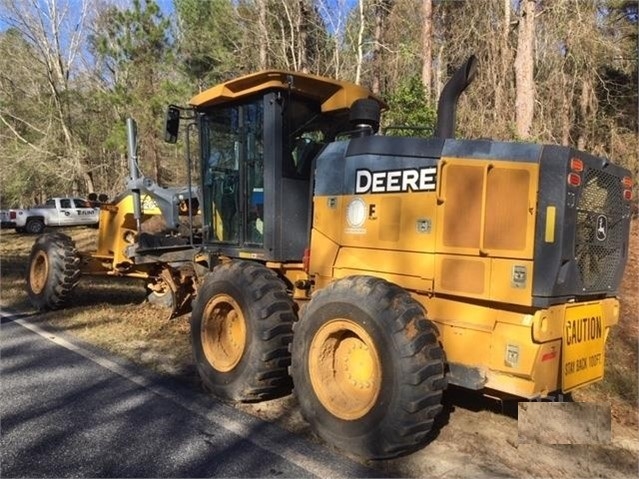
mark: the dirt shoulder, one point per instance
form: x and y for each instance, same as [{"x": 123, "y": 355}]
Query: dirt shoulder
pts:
[{"x": 475, "y": 436}]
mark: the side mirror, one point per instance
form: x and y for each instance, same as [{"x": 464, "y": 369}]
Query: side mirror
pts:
[{"x": 172, "y": 124}]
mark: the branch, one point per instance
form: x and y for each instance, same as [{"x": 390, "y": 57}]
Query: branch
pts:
[
  {"x": 24, "y": 140},
  {"x": 25, "y": 123}
]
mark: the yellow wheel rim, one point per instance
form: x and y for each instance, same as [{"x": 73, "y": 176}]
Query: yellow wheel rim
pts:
[
  {"x": 345, "y": 369},
  {"x": 223, "y": 333},
  {"x": 39, "y": 272}
]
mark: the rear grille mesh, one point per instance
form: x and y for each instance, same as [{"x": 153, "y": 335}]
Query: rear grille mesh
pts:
[{"x": 599, "y": 240}]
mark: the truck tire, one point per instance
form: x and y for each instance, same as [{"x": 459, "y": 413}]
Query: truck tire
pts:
[
  {"x": 241, "y": 326},
  {"x": 54, "y": 270},
  {"x": 34, "y": 226},
  {"x": 367, "y": 368}
]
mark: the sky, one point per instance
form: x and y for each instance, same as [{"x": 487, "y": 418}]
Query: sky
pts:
[{"x": 166, "y": 5}]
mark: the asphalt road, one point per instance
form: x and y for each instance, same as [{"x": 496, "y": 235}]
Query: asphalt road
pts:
[{"x": 68, "y": 409}]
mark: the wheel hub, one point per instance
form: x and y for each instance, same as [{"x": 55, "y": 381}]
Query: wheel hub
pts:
[
  {"x": 223, "y": 333},
  {"x": 39, "y": 272},
  {"x": 345, "y": 369},
  {"x": 358, "y": 364}
]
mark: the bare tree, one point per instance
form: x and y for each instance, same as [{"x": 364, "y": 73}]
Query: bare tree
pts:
[
  {"x": 265, "y": 38},
  {"x": 56, "y": 32},
  {"x": 427, "y": 45},
  {"x": 506, "y": 58},
  {"x": 360, "y": 42},
  {"x": 524, "y": 69},
  {"x": 382, "y": 9},
  {"x": 335, "y": 15},
  {"x": 302, "y": 33}
]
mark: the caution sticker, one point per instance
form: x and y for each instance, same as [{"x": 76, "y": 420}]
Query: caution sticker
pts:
[{"x": 583, "y": 345}]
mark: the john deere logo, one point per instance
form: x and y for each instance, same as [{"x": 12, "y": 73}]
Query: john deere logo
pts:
[
  {"x": 602, "y": 227},
  {"x": 356, "y": 213}
]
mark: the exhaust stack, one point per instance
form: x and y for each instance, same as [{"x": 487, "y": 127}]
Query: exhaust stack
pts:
[{"x": 447, "y": 106}]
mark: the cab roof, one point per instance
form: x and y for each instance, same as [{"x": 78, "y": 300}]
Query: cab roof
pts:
[{"x": 332, "y": 94}]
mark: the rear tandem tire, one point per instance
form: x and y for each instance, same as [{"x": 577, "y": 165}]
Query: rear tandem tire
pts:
[
  {"x": 54, "y": 271},
  {"x": 34, "y": 227},
  {"x": 367, "y": 367},
  {"x": 241, "y": 327}
]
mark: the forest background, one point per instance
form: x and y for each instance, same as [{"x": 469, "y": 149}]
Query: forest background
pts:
[{"x": 72, "y": 71}]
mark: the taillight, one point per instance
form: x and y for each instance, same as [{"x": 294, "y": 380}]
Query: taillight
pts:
[
  {"x": 627, "y": 183},
  {"x": 576, "y": 165},
  {"x": 574, "y": 179},
  {"x": 12, "y": 215}
]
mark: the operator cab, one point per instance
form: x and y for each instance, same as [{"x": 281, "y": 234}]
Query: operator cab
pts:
[{"x": 259, "y": 135}]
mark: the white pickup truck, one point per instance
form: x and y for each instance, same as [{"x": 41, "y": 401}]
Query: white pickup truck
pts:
[{"x": 55, "y": 212}]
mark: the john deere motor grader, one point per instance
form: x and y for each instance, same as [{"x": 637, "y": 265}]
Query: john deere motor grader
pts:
[
  {"x": 141, "y": 235},
  {"x": 376, "y": 270}
]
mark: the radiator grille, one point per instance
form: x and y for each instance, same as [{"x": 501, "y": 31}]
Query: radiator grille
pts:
[{"x": 599, "y": 240}]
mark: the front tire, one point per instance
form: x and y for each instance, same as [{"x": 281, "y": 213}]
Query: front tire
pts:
[
  {"x": 367, "y": 368},
  {"x": 54, "y": 271},
  {"x": 241, "y": 327}
]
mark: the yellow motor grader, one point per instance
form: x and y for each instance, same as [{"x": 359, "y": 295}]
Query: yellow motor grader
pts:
[
  {"x": 142, "y": 234},
  {"x": 366, "y": 271}
]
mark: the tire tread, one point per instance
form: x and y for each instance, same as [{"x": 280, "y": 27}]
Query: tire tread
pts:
[
  {"x": 269, "y": 376},
  {"x": 64, "y": 271},
  {"x": 420, "y": 372}
]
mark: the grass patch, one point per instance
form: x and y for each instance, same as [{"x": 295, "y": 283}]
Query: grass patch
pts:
[{"x": 138, "y": 332}]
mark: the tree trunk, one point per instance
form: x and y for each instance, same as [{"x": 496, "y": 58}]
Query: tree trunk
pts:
[
  {"x": 440, "y": 28},
  {"x": 427, "y": 45},
  {"x": 291, "y": 46},
  {"x": 439, "y": 81},
  {"x": 501, "y": 89},
  {"x": 264, "y": 37},
  {"x": 360, "y": 46},
  {"x": 336, "y": 57},
  {"x": 524, "y": 69},
  {"x": 377, "y": 47},
  {"x": 584, "y": 113},
  {"x": 302, "y": 28},
  {"x": 566, "y": 109},
  {"x": 88, "y": 182}
]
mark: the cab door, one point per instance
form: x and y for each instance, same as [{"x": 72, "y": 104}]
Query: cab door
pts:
[
  {"x": 233, "y": 173},
  {"x": 66, "y": 214}
]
